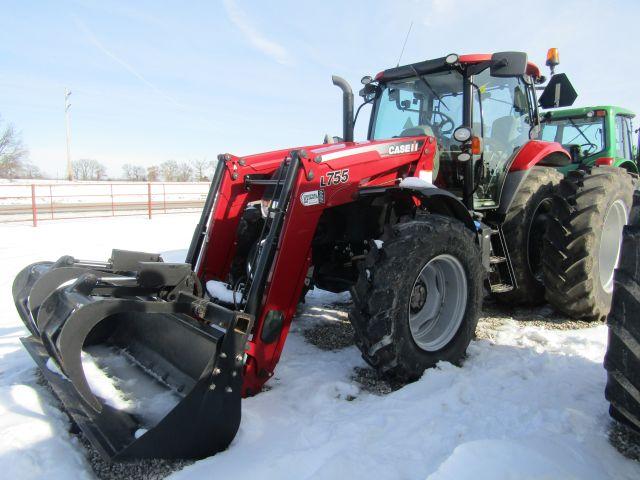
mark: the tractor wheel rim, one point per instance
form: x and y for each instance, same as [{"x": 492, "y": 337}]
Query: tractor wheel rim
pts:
[
  {"x": 438, "y": 302},
  {"x": 610, "y": 243}
]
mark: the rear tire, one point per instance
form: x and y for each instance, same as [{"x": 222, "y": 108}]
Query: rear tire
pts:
[
  {"x": 524, "y": 228},
  {"x": 582, "y": 245},
  {"x": 418, "y": 297},
  {"x": 622, "y": 359}
]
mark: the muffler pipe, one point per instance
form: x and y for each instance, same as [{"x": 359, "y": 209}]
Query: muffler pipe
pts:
[{"x": 347, "y": 107}]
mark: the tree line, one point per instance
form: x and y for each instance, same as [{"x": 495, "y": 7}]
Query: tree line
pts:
[
  {"x": 14, "y": 163},
  {"x": 197, "y": 170}
]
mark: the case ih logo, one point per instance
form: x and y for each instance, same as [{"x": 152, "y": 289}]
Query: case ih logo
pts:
[{"x": 408, "y": 147}]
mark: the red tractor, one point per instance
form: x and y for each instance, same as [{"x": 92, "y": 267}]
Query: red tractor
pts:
[{"x": 445, "y": 197}]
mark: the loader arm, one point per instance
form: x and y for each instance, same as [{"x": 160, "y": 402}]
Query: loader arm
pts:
[{"x": 316, "y": 178}]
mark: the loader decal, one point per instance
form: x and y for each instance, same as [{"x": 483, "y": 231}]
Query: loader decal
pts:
[
  {"x": 314, "y": 197},
  {"x": 335, "y": 177}
]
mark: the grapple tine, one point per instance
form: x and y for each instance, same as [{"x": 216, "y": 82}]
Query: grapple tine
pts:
[{"x": 21, "y": 289}]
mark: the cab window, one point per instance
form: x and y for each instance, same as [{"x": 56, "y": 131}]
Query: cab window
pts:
[{"x": 623, "y": 137}]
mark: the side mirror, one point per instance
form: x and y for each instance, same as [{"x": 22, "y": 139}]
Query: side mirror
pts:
[
  {"x": 558, "y": 93},
  {"x": 508, "y": 64}
]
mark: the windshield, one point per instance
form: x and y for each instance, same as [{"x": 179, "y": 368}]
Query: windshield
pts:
[
  {"x": 585, "y": 135},
  {"x": 429, "y": 105}
]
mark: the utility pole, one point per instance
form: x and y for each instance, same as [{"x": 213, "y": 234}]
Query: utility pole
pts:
[{"x": 67, "y": 105}]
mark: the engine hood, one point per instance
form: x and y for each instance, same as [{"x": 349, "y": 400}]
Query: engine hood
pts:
[{"x": 332, "y": 152}]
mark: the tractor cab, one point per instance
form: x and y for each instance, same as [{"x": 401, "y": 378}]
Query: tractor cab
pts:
[
  {"x": 601, "y": 135},
  {"x": 481, "y": 109}
]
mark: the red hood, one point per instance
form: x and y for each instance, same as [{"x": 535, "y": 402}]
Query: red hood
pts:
[{"x": 265, "y": 161}]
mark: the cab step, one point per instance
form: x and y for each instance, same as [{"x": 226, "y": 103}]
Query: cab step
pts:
[{"x": 501, "y": 288}]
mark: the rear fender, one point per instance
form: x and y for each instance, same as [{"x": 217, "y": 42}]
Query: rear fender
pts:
[
  {"x": 536, "y": 152},
  {"x": 533, "y": 153},
  {"x": 629, "y": 166}
]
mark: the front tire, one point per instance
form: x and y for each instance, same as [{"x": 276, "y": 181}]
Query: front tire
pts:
[
  {"x": 582, "y": 245},
  {"x": 418, "y": 297}
]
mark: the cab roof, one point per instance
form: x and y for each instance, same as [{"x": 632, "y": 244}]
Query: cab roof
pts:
[
  {"x": 582, "y": 111},
  {"x": 440, "y": 65}
]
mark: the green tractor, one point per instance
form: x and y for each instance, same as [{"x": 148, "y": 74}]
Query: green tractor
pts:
[
  {"x": 591, "y": 205},
  {"x": 593, "y": 136}
]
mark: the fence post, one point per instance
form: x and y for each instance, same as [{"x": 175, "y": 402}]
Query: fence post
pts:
[
  {"x": 113, "y": 211},
  {"x": 164, "y": 199},
  {"x": 51, "y": 200},
  {"x": 34, "y": 208},
  {"x": 149, "y": 199}
]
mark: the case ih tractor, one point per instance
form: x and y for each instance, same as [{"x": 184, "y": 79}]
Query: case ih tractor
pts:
[
  {"x": 592, "y": 205},
  {"x": 442, "y": 198}
]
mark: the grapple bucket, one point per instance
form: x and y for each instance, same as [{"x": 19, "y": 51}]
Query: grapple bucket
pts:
[{"x": 144, "y": 365}]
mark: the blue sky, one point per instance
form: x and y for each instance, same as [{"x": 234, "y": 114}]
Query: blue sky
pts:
[{"x": 153, "y": 80}]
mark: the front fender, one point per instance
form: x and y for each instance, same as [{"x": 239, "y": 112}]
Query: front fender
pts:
[{"x": 436, "y": 199}]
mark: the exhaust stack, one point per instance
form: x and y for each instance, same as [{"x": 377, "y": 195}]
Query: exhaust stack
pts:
[{"x": 347, "y": 107}]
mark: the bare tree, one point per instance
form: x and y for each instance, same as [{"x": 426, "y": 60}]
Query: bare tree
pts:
[
  {"x": 135, "y": 173},
  {"x": 169, "y": 170},
  {"x": 31, "y": 171},
  {"x": 13, "y": 154},
  {"x": 201, "y": 169},
  {"x": 185, "y": 172},
  {"x": 153, "y": 173},
  {"x": 88, "y": 169}
]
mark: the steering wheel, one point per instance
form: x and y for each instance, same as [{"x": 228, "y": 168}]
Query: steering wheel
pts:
[
  {"x": 591, "y": 148},
  {"x": 446, "y": 121}
]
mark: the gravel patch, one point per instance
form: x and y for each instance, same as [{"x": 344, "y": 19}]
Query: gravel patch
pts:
[
  {"x": 625, "y": 440},
  {"x": 334, "y": 335},
  {"x": 542, "y": 316},
  {"x": 153, "y": 469},
  {"x": 371, "y": 382}
]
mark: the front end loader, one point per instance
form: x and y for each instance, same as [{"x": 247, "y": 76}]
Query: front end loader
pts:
[{"x": 414, "y": 222}]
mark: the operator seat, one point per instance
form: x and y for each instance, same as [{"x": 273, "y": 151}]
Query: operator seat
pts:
[{"x": 503, "y": 132}]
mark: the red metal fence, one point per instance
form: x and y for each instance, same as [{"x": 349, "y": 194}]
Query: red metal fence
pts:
[{"x": 20, "y": 202}]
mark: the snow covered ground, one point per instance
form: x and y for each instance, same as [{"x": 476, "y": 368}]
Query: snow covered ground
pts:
[{"x": 528, "y": 403}]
